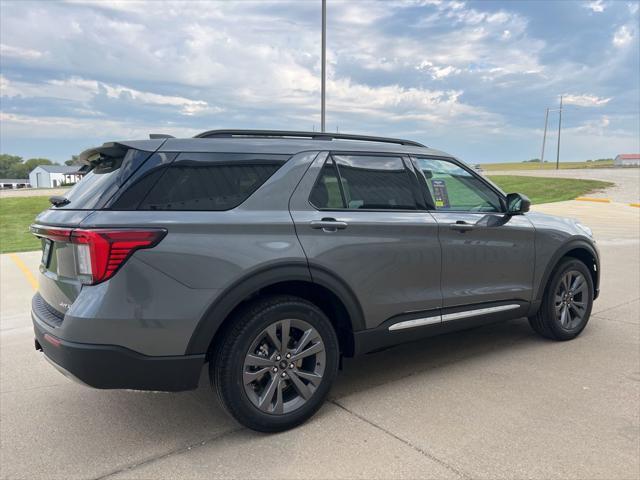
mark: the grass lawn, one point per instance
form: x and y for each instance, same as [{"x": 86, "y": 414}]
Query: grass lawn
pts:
[
  {"x": 16, "y": 214},
  {"x": 545, "y": 166},
  {"x": 547, "y": 190}
]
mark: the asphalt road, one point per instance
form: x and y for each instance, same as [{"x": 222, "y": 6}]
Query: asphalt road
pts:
[{"x": 494, "y": 402}]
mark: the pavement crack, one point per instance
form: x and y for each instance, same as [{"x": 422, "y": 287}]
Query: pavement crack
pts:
[
  {"x": 162, "y": 456},
  {"x": 418, "y": 449}
]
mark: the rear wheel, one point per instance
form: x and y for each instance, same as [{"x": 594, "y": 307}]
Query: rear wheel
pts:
[
  {"x": 274, "y": 367},
  {"x": 567, "y": 302}
]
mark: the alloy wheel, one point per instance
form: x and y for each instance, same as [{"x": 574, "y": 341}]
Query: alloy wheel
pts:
[
  {"x": 571, "y": 299},
  {"x": 284, "y": 366}
]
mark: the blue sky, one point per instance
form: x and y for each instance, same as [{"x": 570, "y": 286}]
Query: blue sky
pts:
[{"x": 471, "y": 78}]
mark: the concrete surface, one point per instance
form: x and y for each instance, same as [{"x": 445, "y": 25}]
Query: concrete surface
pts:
[
  {"x": 627, "y": 180},
  {"x": 494, "y": 402},
  {"x": 32, "y": 192}
]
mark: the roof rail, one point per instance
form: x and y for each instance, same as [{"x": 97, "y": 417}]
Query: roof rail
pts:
[{"x": 309, "y": 135}]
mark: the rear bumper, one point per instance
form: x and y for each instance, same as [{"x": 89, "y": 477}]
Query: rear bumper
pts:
[{"x": 111, "y": 366}]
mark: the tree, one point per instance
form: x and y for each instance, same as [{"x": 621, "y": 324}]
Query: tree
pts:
[
  {"x": 74, "y": 160},
  {"x": 23, "y": 171},
  {"x": 8, "y": 163},
  {"x": 12, "y": 166}
]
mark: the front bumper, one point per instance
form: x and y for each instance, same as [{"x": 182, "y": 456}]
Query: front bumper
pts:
[{"x": 112, "y": 366}]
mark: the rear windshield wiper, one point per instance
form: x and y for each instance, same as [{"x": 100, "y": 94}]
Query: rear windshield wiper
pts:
[{"x": 58, "y": 201}]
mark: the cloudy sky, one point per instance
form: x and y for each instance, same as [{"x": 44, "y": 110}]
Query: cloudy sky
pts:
[{"x": 471, "y": 78}]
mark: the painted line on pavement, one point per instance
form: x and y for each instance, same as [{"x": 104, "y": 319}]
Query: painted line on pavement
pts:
[
  {"x": 593, "y": 199},
  {"x": 25, "y": 270}
]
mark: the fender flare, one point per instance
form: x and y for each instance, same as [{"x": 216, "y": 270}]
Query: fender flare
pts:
[
  {"x": 561, "y": 252},
  {"x": 264, "y": 277}
]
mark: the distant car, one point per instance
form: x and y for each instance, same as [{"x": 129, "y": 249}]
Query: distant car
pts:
[
  {"x": 478, "y": 168},
  {"x": 268, "y": 255}
]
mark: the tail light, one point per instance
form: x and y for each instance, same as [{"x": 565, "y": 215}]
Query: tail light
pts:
[{"x": 99, "y": 252}]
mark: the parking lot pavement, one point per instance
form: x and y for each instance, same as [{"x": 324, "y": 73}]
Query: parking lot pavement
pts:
[
  {"x": 625, "y": 190},
  {"x": 493, "y": 402}
]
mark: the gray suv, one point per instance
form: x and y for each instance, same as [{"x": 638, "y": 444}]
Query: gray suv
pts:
[{"x": 269, "y": 255}]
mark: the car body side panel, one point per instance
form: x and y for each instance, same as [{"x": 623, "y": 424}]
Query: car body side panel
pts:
[
  {"x": 554, "y": 237},
  {"x": 492, "y": 261},
  {"x": 390, "y": 259}
]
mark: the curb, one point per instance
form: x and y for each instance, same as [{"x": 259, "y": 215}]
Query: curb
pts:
[{"x": 593, "y": 199}]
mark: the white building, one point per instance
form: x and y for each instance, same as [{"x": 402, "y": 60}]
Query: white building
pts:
[
  {"x": 627, "y": 160},
  {"x": 52, "y": 176},
  {"x": 13, "y": 183}
]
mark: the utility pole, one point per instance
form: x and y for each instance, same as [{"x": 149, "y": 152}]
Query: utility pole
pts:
[
  {"x": 559, "y": 129},
  {"x": 324, "y": 65},
  {"x": 544, "y": 136}
]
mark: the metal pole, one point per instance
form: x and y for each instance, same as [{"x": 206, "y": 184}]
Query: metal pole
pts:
[
  {"x": 324, "y": 65},
  {"x": 544, "y": 136},
  {"x": 559, "y": 129}
]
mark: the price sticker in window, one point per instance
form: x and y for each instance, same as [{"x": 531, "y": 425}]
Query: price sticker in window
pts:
[{"x": 440, "y": 195}]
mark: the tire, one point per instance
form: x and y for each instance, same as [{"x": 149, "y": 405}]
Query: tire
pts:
[
  {"x": 549, "y": 321},
  {"x": 250, "y": 359}
]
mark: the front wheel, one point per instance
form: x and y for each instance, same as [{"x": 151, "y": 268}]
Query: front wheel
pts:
[
  {"x": 274, "y": 367},
  {"x": 567, "y": 302}
]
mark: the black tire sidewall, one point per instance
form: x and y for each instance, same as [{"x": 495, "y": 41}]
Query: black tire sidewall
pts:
[
  {"x": 229, "y": 370},
  {"x": 553, "y": 324}
]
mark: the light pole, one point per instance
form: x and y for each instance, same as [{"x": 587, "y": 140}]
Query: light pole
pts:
[
  {"x": 544, "y": 136},
  {"x": 559, "y": 128},
  {"x": 324, "y": 65}
]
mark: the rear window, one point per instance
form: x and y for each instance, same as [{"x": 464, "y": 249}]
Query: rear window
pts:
[
  {"x": 210, "y": 181},
  {"x": 104, "y": 180}
]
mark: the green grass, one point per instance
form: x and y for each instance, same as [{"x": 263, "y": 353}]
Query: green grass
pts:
[
  {"x": 545, "y": 166},
  {"x": 16, "y": 214},
  {"x": 547, "y": 190}
]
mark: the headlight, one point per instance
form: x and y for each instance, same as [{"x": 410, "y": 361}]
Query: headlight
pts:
[{"x": 585, "y": 229}]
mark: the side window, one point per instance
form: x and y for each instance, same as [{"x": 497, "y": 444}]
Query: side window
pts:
[
  {"x": 326, "y": 192},
  {"x": 375, "y": 183},
  {"x": 209, "y": 181},
  {"x": 452, "y": 188}
]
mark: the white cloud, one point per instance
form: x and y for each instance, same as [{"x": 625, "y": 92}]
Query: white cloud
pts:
[
  {"x": 633, "y": 7},
  {"x": 19, "y": 52},
  {"x": 596, "y": 6},
  {"x": 585, "y": 100},
  {"x": 438, "y": 72},
  {"x": 84, "y": 90},
  {"x": 623, "y": 36},
  {"x": 23, "y": 126}
]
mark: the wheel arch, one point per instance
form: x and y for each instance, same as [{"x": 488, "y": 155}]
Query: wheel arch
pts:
[
  {"x": 580, "y": 250},
  {"x": 322, "y": 288}
]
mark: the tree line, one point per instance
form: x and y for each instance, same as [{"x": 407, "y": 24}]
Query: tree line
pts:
[{"x": 15, "y": 167}]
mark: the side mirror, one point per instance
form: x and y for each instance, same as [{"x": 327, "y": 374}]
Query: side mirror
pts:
[{"x": 517, "y": 204}]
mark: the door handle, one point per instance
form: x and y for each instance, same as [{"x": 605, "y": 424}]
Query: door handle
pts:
[
  {"x": 461, "y": 226},
  {"x": 328, "y": 225}
]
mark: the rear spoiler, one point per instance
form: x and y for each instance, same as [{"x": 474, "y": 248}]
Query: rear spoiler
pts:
[{"x": 94, "y": 156}]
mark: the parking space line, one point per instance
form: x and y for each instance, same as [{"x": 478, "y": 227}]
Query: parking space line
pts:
[
  {"x": 25, "y": 270},
  {"x": 593, "y": 199}
]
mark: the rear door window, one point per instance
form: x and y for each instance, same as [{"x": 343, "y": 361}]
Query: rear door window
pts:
[
  {"x": 211, "y": 181},
  {"x": 375, "y": 182}
]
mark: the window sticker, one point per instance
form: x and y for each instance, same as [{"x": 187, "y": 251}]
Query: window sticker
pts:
[{"x": 440, "y": 195}]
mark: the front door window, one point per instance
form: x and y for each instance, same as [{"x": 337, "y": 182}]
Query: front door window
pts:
[{"x": 452, "y": 188}]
